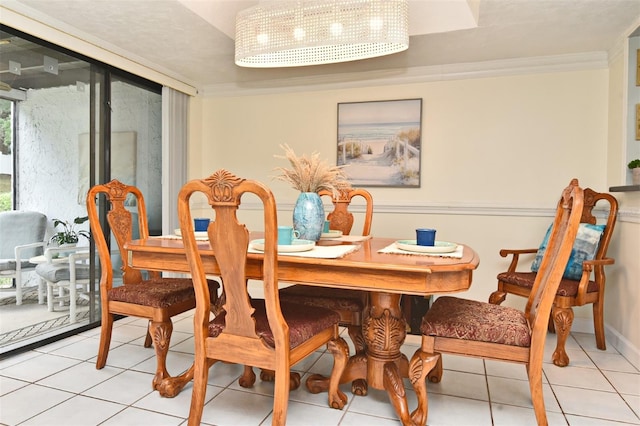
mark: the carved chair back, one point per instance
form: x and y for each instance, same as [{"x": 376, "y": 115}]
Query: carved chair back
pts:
[
  {"x": 341, "y": 218},
  {"x": 246, "y": 331},
  {"x": 114, "y": 197},
  {"x": 561, "y": 240}
]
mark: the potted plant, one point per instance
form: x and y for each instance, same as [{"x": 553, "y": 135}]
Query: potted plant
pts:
[
  {"x": 634, "y": 165},
  {"x": 69, "y": 235},
  {"x": 310, "y": 175}
]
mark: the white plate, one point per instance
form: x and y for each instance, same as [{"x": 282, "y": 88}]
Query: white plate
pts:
[
  {"x": 438, "y": 247},
  {"x": 199, "y": 234},
  {"x": 295, "y": 246},
  {"x": 333, "y": 233}
]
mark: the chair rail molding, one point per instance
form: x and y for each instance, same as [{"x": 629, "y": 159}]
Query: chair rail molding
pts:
[{"x": 631, "y": 215}]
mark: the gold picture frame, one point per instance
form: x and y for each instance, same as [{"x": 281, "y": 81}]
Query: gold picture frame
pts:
[
  {"x": 638, "y": 67},
  {"x": 638, "y": 122}
]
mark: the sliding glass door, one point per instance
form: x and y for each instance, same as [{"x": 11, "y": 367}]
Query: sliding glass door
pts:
[{"x": 72, "y": 123}]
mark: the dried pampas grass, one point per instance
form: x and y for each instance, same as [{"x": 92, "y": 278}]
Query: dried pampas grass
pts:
[{"x": 311, "y": 174}]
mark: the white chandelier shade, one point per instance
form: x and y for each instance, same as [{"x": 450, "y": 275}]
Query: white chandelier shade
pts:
[{"x": 290, "y": 34}]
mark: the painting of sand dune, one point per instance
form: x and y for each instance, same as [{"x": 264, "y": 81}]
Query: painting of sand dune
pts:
[{"x": 379, "y": 142}]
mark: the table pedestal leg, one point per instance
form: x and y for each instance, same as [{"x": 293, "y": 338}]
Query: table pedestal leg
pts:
[{"x": 382, "y": 364}]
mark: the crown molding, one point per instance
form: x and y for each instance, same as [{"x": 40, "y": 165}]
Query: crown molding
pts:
[{"x": 414, "y": 75}]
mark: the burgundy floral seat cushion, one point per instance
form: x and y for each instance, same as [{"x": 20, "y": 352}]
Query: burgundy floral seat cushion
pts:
[
  {"x": 479, "y": 321},
  {"x": 160, "y": 293},
  {"x": 526, "y": 279},
  {"x": 336, "y": 299},
  {"x": 304, "y": 322}
]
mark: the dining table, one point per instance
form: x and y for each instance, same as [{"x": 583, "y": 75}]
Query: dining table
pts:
[{"x": 372, "y": 264}]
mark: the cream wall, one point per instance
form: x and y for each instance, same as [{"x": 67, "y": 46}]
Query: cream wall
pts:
[
  {"x": 496, "y": 152},
  {"x": 623, "y": 285}
]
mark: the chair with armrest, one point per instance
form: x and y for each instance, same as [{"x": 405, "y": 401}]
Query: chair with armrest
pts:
[
  {"x": 479, "y": 329},
  {"x": 21, "y": 238},
  {"x": 265, "y": 333},
  {"x": 66, "y": 270},
  {"x": 577, "y": 287},
  {"x": 156, "y": 298}
]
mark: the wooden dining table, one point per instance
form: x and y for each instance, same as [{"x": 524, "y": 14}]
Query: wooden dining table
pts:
[{"x": 386, "y": 276}]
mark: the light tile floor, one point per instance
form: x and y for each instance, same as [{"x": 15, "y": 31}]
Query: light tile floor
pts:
[{"x": 59, "y": 385}]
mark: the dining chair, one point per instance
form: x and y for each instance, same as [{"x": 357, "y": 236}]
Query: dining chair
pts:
[
  {"x": 21, "y": 238},
  {"x": 471, "y": 328},
  {"x": 67, "y": 270},
  {"x": 265, "y": 333},
  {"x": 350, "y": 304},
  {"x": 149, "y": 296},
  {"x": 583, "y": 281}
]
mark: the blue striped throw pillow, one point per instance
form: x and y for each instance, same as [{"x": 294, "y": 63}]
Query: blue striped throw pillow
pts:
[{"x": 584, "y": 248}]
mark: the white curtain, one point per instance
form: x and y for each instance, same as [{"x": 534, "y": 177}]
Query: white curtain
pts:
[{"x": 175, "y": 116}]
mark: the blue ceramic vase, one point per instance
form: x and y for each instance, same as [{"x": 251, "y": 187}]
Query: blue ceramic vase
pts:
[{"x": 308, "y": 216}]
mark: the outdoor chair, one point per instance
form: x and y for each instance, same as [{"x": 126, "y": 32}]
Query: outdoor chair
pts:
[
  {"x": 21, "y": 238},
  {"x": 66, "y": 270}
]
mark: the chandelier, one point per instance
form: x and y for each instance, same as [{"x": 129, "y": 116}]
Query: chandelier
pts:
[{"x": 290, "y": 34}]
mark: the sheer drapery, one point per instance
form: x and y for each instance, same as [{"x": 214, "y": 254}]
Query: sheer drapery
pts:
[{"x": 175, "y": 116}]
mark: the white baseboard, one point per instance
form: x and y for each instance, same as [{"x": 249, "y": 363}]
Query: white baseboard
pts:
[
  {"x": 615, "y": 339},
  {"x": 624, "y": 346}
]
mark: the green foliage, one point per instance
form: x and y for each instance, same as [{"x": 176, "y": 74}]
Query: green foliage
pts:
[
  {"x": 634, "y": 164},
  {"x": 69, "y": 235},
  {"x": 5, "y": 126},
  {"x": 5, "y": 183},
  {"x": 5, "y": 201}
]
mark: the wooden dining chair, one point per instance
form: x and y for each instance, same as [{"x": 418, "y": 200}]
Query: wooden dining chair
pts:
[
  {"x": 350, "y": 304},
  {"x": 264, "y": 333},
  {"x": 155, "y": 298},
  {"x": 577, "y": 287},
  {"x": 479, "y": 329}
]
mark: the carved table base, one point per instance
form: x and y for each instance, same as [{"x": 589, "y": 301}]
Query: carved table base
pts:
[{"x": 382, "y": 365}]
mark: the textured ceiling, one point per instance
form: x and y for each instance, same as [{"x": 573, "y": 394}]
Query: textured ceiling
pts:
[{"x": 192, "y": 39}]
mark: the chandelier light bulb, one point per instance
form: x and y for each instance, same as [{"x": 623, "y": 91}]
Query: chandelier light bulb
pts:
[
  {"x": 299, "y": 34},
  {"x": 376, "y": 23},
  {"x": 336, "y": 29}
]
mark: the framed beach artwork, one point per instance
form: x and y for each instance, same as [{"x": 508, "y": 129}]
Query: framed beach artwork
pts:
[{"x": 379, "y": 142}]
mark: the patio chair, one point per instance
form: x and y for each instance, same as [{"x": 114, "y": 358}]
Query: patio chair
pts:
[
  {"x": 66, "y": 270},
  {"x": 21, "y": 238}
]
